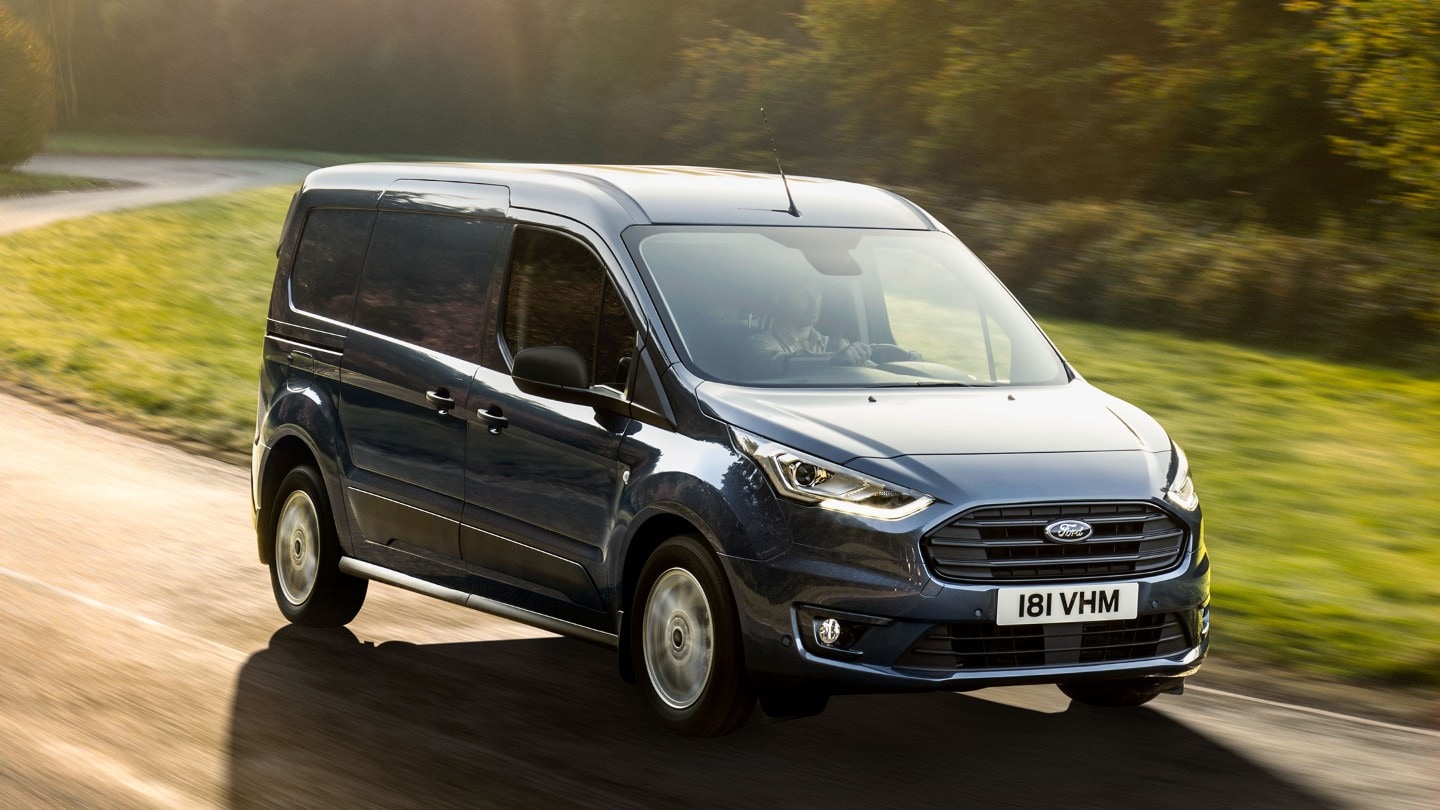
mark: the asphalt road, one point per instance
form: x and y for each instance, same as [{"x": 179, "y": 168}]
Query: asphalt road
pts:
[{"x": 144, "y": 664}]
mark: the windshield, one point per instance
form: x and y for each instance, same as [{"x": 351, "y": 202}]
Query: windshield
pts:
[{"x": 838, "y": 307}]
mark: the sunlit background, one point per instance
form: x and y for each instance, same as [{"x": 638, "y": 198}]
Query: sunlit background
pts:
[{"x": 1225, "y": 211}]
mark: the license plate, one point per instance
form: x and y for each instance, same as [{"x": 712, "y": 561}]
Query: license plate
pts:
[{"x": 1067, "y": 603}]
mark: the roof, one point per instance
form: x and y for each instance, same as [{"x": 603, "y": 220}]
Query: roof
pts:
[{"x": 627, "y": 195}]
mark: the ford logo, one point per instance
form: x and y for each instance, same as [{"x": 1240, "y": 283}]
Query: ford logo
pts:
[{"x": 1069, "y": 531}]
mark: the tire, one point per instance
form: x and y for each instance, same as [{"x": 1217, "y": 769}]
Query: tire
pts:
[
  {"x": 1115, "y": 694},
  {"x": 685, "y": 644},
  {"x": 304, "y": 561}
]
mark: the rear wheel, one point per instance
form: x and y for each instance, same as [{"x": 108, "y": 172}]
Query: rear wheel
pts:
[
  {"x": 685, "y": 646},
  {"x": 304, "y": 562},
  {"x": 1116, "y": 694}
]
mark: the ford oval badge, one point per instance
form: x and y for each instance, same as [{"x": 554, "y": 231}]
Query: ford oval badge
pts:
[{"x": 1069, "y": 531}]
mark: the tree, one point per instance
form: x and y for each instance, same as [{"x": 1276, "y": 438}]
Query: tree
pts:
[
  {"x": 1382, "y": 60},
  {"x": 1233, "y": 111},
  {"x": 27, "y": 90},
  {"x": 1025, "y": 103}
]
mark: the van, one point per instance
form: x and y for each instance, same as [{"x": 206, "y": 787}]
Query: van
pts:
[{"x": 771, "y": 439}]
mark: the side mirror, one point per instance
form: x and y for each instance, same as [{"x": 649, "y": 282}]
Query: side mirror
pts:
[
  {"x": 550, "y": 366},
  {"x": 561, "y": 374}
]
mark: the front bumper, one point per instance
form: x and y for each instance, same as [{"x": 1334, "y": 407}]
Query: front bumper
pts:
[{"x": 914, "y": 632}]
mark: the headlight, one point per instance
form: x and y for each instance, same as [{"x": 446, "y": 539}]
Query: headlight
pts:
[
  {"x": 810, "y": 480},
  {"x": 1181, "y": 490}
]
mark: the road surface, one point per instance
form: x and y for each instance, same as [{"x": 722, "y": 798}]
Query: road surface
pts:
[
  {"x": 155, "y": 180},
  {"x": 144, "y": 664}
]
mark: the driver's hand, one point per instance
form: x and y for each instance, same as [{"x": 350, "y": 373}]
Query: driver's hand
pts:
[{"x": 855, "y": 354}]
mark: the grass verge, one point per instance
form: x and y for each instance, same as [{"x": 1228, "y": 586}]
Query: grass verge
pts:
[
  {"x": 1318, "y": 479},
  {"x": 79, "y": 143},
  {"x": 20, "y": 184},
  {"x": 155, "y": 315}
]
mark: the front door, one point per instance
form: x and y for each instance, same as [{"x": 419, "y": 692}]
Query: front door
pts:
[{"x": 543, "y": 477}]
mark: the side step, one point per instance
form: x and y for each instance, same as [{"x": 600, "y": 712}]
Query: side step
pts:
[{"x": 359, "y": 568}]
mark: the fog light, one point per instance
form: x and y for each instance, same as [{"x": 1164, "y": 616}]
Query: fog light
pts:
[{"x": 833, "y": 633}]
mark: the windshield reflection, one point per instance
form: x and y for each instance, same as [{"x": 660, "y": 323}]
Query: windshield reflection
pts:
[{"x": 839, "y": 307}]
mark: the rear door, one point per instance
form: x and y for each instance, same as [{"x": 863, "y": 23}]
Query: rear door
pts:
[{"x": 408, "y": 364}]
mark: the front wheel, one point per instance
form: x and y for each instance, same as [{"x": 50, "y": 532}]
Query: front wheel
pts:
[
  {"x": 685, "y": 647},
  {"x": 1116, "y": 694},
  {"x": 304, "y": 562}
]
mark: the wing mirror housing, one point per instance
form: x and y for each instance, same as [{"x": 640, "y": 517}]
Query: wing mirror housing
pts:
[
  {"x": 559, "y": 373},
  {"x": 550, "y": 367}
]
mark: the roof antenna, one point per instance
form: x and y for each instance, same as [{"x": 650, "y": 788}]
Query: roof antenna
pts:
[{"x": 792, "y": 210}]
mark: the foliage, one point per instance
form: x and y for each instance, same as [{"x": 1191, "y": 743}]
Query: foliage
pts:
[
  {"x": 1157, "y": 267},
  {"x": 1023, "y": 103},
  {"x": 747, "y": 73},
  {"x": 1382, "y": 58},
  {"x": 27, "y": 90},
  {"x": 1214, "y": 100},
  {"x": 1230, "y": 102},
  {"x": 1234, "y": 112}
]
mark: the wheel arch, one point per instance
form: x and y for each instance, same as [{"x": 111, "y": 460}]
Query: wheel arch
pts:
[
  {"x": 288, "y": 452},
  {"x": 649, "y": 529}
]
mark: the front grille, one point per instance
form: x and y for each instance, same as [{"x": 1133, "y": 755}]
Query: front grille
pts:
[
  {"x": 983, "y": 645},
  {"x": 1007, "y": 543}
]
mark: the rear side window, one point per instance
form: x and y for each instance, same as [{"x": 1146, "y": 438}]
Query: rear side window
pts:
[
  {"x": 425, "y": 279},
  {"x": 328, "y": 262},
  {"x": 559, "y": 295}
]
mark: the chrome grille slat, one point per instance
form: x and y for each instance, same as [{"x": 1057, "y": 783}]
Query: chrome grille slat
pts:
[
  {"x": 940, "y": 540},
  {"x": 1042, "y": 521},
  {"x": 1007, "y": 543},
  {"x": 1030, "y": 563}
]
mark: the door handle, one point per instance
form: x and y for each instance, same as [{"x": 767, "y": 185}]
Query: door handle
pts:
[
  {"x": 440, "y": 400},
  {"x": 494, "y": 418}
]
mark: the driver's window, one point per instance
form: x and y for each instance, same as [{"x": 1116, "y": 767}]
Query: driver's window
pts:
[{"x": 558, "y": 295}]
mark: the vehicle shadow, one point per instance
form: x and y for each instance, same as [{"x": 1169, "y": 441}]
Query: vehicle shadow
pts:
[{"x": 322, "y": 719}]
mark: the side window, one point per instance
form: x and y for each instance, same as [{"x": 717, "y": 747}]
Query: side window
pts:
[
  {"x": 425, "y": 279},
  {"x": 328, "y": 262},
  {"x": 559, "y": 296}
]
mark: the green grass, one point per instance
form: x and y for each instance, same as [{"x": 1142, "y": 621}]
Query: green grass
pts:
[
  {"x": 1320, "y": 481},
  {"x": 156, "y": 315},
  {"x": 79, "y": 143},
  {"x": 1321, "y": 489},
  {"x": 19, "y": 184}
]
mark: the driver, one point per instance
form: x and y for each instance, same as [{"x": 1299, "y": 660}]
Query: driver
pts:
[{"x": 797, "y": 308}]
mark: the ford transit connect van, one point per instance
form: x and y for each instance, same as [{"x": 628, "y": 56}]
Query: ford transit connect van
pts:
[{"x": 768, "y": 444}]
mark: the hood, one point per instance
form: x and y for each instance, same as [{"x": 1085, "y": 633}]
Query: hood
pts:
[{"x": 844, "y": 425}]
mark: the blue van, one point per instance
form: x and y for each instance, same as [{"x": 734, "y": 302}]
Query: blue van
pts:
[{"x": 770, "y": 443}]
